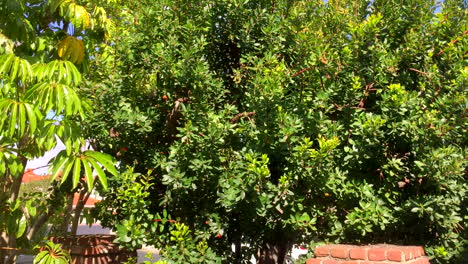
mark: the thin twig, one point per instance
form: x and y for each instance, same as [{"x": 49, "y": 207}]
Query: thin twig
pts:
[
  {"x": 240, "y": 115},
  {"x": 418, "y": 71},
  {"x": 302, "y": 71}
]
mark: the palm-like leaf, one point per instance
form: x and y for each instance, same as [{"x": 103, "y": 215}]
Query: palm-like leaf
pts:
[
  {"x": 72, "y": 12},
  {"x": 71, "y": 166},
  {"x": 60, "y": 98},
  {"x": 59, "y": 71},
  {"x": 15, "y": 68},
  {"x": 72, "y": 49},
  {"x": 52, "y": 253},
  {"x": 17, "y": 118},
  {"x": 9, "y": 160},
  {"x": 66, "y": 130}
]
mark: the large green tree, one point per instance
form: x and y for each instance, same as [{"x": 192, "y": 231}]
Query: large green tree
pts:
[
  {"x": 267, "y": 123},
  {"x": 43, "y": 51}
]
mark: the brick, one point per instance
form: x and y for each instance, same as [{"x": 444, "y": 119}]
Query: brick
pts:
[
  {"x": 376, "y": 254},
  {"x": 330, "y": 261},
  {"x": 358, "y": 253},
  {"x": 350, "y": 262},
  {"x": 423, "y": 260},
  {"x": 423, "y": 253},
  {"x": 339, "y": 252},
  {"x": 418, "y": 251},
  {"x": 408, "y": 254},
  {"x": 322, "y": 251},
  {"x": 313, "y": 261},
  {"x": 395, "y": 255}
]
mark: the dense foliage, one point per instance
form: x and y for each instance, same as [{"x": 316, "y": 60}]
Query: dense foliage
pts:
[
  {"x": 265, "y": 123},
  {"x": 43, "y": 47}
]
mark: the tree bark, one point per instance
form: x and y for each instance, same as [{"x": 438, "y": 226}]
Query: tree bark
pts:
[
  {"x": 12, "y": 257},
  {"x": 41, "y": 220},
  {"x": 275, "y": 249},
  {"x": 84, "y": 196},
  {"x": 10, "y": 240},
  {"x": 66, "y": 222}
]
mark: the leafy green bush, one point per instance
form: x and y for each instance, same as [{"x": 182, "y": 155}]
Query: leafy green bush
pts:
[
  {"x": 267, "y": 123},
  {"x": 52, "y": 253},
  {"x": 42, "y": 55}
]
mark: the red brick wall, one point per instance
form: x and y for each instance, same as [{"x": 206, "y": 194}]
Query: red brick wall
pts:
[{"x": 372, "y": 254}]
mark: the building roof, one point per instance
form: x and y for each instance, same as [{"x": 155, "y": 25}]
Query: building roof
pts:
[{"x": 30, "y": 176}]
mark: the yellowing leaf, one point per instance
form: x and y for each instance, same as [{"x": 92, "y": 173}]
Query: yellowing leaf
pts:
[
  {"x": 6, "y": 44},
  {"x": 72, "y": 49},
  {"x": 76, "y": 14}
]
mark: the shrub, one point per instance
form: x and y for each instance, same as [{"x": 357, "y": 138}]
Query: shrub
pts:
[{"x": 281, "y": 121}]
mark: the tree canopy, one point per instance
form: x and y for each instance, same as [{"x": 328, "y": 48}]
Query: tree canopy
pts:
[
  {"x": 43, "y": 54},
  {"x": 257, "y": 124},
  {"x": 265, "y": 123}
]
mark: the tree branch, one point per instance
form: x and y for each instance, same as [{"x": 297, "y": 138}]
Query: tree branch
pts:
[{"x": 240, "y": 115}]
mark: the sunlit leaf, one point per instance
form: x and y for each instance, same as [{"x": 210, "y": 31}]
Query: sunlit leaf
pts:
[
  {"x": 105, "y": 159},
  {"x": 15, "y": 68},
  {"x": 64, "y": 72},
  {"x": 58, "y": 97},
  {"x": 73, "y": 13},
  {"x": 100, "y": 173},
  {"x": 72, "y": 49},
  {"x": 76, "y": 172},
  {"x": 88, "y": 175}
]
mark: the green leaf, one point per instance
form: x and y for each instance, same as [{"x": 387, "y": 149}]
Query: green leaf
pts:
[
  {"x": 5, "y": 63},
  {"x": 100, "y": 173},
  {"x": 67, "y": 168},
  {"x": 88, "y": 174},
  {"x": 105, "y": 159},
  {"x": 72, "y": 73},
  {"x": 26, "y": 71},
  {"x": 39, "y": 259},
  {"x": 55, "y": 96},
  {"x": 22, "y": 119},
  {"x": 419, "y": 164},
  {"x": 14, "y": 112},
  {"x": 58, "y": 163},
  {"x": 14, "y": 68},
  {"x": 21, "y": 228},
  {"x": 54, "y": 4},
  {"x": 30, "y": 208},
  {"x": 76, "y": 172},
  {"x": 31, "y": 117}
]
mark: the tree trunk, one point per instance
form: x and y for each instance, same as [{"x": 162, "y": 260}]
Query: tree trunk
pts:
[
  {"x": 9, "y": 241},
  {"x": 275, "y": 249},
  {"x": 12, "y": 256},
  {"x": 273, "y": 253},
  {"x": 39, "y": 223},
  {"x": 16, "y": 181},
  {"x": 63, "y": 228},
  {"x": 83, "y": 198}
]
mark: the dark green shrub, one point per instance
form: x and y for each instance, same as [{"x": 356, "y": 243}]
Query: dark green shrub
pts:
[{"x": 272, "y": 122}]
